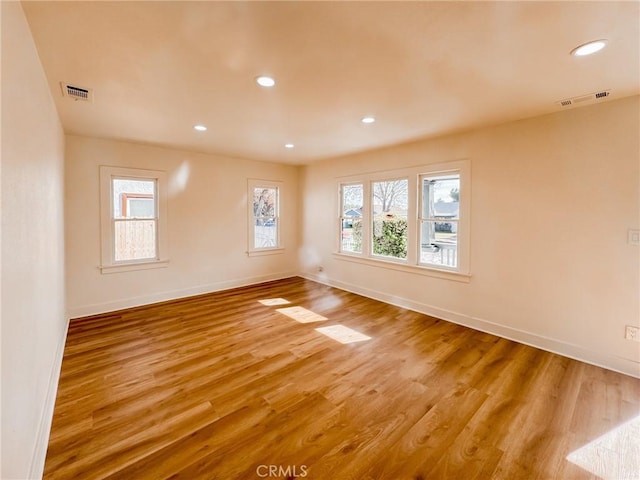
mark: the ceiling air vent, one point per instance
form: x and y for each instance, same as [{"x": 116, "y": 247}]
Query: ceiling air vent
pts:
[
  {"x": 77, "y": 93},
  {"x": 584, "y": 98}
]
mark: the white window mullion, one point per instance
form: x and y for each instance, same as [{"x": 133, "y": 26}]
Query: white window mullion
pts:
[
  {"x": 366, "y": 219},
  {"x": 412, "y": 223}
]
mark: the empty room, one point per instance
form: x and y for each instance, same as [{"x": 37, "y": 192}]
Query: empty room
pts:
[{"x": 322, "y": 240}]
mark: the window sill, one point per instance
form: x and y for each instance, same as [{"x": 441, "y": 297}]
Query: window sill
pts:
[
  {"x": 266, "y": 251},
  {"x": 404, "y": 267},
  {"x": 130, "y": 267}
]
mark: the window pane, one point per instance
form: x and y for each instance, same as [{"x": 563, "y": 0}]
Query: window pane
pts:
[
  {"x": 440, "y": 214},
  {"x": 135, "y": 240},
  {"x": 265, "y": 201},
  {"x": 265, "y": 233},
  {"x": 352, "y": 200},
  {"x": 439, "y": 245},
  {"x": 265, "y": 217},
  {"x": 351, "y": 219},
  {"x": 133, "y": 198},
  {"x": 140, "y": 207},
  {"x": 351, "y": 235},
  {"x": 389, "y": 208},
  {"x": 440, "y": 197}
]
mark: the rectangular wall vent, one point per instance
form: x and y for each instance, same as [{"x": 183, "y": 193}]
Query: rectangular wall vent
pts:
[
  {"x": 591, "y": 97},
  {"x": 77, "y": 93}
]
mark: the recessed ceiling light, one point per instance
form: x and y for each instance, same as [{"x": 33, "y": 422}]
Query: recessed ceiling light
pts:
[
  {"x": 200, "y": 128},
  {"x": 368, "y": 119},
  {"x": 589, "y": 48},
  {"x": 289, "y": 145},
  {"x": 265, "y": 81}
]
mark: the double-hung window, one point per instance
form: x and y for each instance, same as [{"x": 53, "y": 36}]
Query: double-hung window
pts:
[
  {"x": 415, "y": 218},
  {"x": 264, "y": 217},
  {"x": 438, "y": 220},
  {"x": 389, "y": 210},
  {"x": 351, "y": 207},
  {"x": 133, "y": 218}
]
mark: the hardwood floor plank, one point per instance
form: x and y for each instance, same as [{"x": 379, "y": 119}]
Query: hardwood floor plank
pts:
[
  {"x": 428, "y": 440},
  {"x": 270, "y": 441},
  {"x": 219, "y": 385},
  {"x": 99, "y": 456},
  {"x": 235, "y": 428}
]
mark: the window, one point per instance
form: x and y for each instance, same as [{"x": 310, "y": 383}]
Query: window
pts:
[
  {"x": 351, "y": 203},
  {"x": 264, "y": 217},
  {"x": 133, "y": 204},
  {"x": 389, "y": 207},
  {"x": 416, "y": 219},
  {"x": 439, "y": 216},
  {"x": 134, "y": 218}
]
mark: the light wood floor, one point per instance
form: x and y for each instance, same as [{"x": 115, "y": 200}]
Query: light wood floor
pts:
[{"x": 221, "y": 386}]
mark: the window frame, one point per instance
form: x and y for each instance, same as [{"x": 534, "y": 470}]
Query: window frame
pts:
[
  {"x": 412, "y": 262},
  {"x": 107, "y": 219},
  {"x": 252, "y": 250}
]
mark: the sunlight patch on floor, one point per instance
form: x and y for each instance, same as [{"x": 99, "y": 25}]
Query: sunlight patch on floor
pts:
[
  {"x": 270, "y": 302},
  {"x": 613, "y": 456},
  {"x": 302, "y": 315},
  {"x": 343, "y": 334}
]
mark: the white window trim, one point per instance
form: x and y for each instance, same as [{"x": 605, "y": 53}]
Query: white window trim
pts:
[
  {"x": 412, "y": 263},
  {"x": 252, "y": 251},
  {"x": 109, "y": 265},
  {"x": 402, "y": 266}
]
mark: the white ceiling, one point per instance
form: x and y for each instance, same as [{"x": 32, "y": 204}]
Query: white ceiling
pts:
[{"x": 422, "y": 68}]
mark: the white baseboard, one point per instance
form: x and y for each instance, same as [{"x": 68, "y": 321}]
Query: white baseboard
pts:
[
  {"x": 86, "y": 310},
  {"x": 36, "y": 469},
  {"x": 566, "y": 349}
]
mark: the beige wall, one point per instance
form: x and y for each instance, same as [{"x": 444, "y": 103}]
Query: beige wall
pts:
[
  {"x": 33, "y": 312},
  {"x": 207, "y": 225},
  {"x": 552, "y": 200}
]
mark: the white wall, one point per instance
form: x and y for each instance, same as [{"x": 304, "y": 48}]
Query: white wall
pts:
[
  {"x": 207, "y": 224},
  {"x": 33, "y": 310},
  {"x": 552, "y": 200}
]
